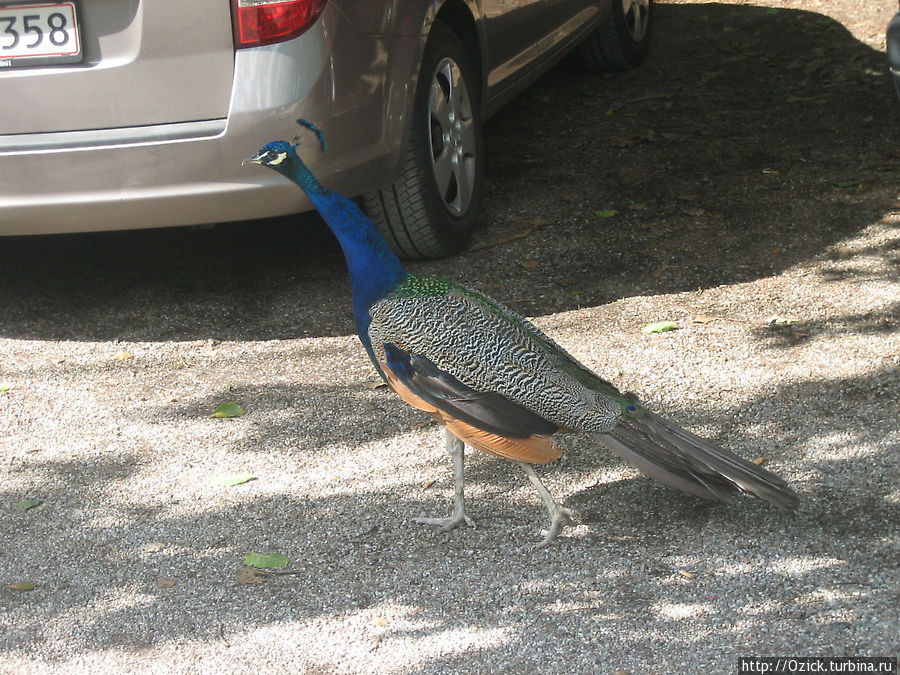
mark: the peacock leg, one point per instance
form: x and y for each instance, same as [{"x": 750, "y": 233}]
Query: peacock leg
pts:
[
  {"x": 458, "y": 517},
  {"x": 560, "y": 516}
]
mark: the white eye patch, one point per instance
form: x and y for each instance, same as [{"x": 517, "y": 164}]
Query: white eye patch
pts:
[{"x": 279, "y": 158}]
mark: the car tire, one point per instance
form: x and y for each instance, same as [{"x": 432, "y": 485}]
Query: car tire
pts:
[
  {"x": 621, "y": 42},
  {"x": 429, "y": 211}
]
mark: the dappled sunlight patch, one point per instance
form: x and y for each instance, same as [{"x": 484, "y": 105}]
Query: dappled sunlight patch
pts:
[
  {"x": 759, "y": 608},
  {"x": 384, "y": 638},
  {"x": 871, "y": 240},
  {"x": 416, "y": 648},
  {"x": 681, "y": 610},
  {"x": 830, "y": 597},
  {"x": 838, "y": 446},
  {"x": 731, "y": 567},
  {"x": 800, "y": 566}
]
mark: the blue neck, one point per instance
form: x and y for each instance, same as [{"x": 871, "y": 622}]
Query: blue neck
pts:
[{"x": 374, "y": 269}]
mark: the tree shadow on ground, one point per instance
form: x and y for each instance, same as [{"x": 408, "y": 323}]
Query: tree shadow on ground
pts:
[{"x": 648, "y": 569}]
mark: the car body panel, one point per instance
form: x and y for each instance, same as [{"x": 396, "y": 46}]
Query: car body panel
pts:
[
  {"x": 353, "y": 73},
  {"x": 893, "y": 50},
  {"x": 553, "y": 30},
  {"x": 137, "y": 69}
]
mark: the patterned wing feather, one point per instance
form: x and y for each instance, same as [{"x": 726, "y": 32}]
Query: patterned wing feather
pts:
[
  {"x": 488, "y": 411},
  {"x": 489, "y": 349}
]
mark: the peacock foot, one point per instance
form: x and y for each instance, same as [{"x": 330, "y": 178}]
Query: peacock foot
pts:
[
  {"x": 560, "y": 516},
  {"x": 454, "y": 520}
]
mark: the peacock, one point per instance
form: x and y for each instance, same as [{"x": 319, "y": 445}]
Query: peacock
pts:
[{"x": 494, "y": 380}]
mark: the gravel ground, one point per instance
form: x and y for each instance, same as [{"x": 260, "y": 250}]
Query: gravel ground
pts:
[{"x": 768, "y": 228}]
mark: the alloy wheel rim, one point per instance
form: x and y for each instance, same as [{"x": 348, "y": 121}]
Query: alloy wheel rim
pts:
[
  {"x": 637, "y": 14},
  {"x": 452, "y": 137}
]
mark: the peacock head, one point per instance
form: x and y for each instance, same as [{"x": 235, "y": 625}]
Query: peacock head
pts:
[
  {"x": 278, "y": 155},
  {"x": 282, "y": 156}
]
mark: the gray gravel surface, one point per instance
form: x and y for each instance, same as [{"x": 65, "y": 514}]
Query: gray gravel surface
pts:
[{"x": 115, "y": 349}]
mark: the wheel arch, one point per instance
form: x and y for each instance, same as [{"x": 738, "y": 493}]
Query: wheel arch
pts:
[
  {"x": 411, "y": 210},
  {"x": 460, "y": 16},
  {"x": 463, "y": 18}
]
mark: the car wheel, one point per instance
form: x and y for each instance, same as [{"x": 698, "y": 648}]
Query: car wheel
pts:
[
  {"x": 429, "y": 211},
  {"x": 621, "y": 42}
]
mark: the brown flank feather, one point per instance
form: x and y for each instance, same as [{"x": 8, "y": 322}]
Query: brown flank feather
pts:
[{"x": 536, "y": 449}]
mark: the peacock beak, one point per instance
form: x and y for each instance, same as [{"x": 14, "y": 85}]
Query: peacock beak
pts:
[{"x": 255, "y": 159}]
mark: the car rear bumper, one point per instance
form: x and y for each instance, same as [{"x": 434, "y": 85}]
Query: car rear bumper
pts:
[{"x": 191, "y": 173}]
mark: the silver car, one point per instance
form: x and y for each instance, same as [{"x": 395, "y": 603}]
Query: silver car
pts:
[{"x": 119, "y": 114}]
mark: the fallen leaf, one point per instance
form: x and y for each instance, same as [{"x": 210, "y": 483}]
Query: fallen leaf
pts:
[
  {"x": 380, "y": 621},
  {"x": 662, "y": 269},
  {"x": 428, "y": 483},
  {"x": 779, "y": 321},
  {"x": 228, "y": 410},
  {"x": 859, "y": 185},
  {"x": 248, "y": 575},
  {"x": 659, "y": 327},
  {"x": 374, "y": 384},
  {"x": 233, "y": 479},
  {"x": 695, "y": 211},
  {"x": 777, "y": 250},
  {"x": 122, "y": 355},
  {"x": 529, "y": 264},
  {"x": 685, "y": 574},
  {"x": 265, "y": 560},
  {"x": 703, "y": 318},
  {"x": 606, "y": 213},
  {"x": 22, "y": 586},
  {"x": 26, "y": 504},
  {"x": 165, "y": 582},
  {"x": 759, "y": 461},
  {"x": 4, "y": 387}
]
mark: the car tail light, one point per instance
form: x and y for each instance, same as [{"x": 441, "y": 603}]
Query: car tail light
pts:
[{"x": 262, "y": 22}]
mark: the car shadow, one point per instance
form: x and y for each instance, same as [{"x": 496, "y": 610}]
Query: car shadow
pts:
[{"x": 752, "y": 139}]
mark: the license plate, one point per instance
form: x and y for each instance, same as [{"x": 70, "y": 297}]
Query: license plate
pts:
[{"x": 39, "y": 34}]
